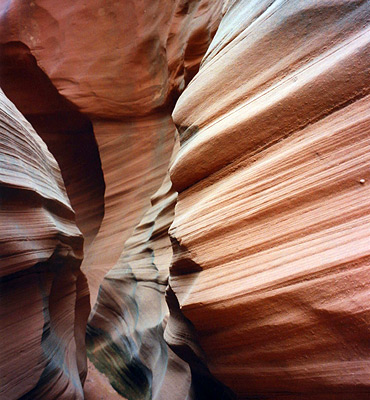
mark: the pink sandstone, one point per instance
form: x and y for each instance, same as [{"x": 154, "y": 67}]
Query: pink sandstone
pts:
[{"x": 214, "y": 157}]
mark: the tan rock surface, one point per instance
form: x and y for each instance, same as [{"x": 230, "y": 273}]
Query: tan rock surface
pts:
[
  {"x": 275, "y": 213},
  {"x": 268, "y": 287},
  {"x": 123, "y": 65}
]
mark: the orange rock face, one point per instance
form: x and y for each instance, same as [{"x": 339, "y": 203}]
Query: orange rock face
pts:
[
  {"x": 63, "y": 128},
  {"x": 122, "y": 65},
  {"x": 224, "y": 212},
  {"x": 273, "y": 178},
  {"x": 112, "y": 70}
]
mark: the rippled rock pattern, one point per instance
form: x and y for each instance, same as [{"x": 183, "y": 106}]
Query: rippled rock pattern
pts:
[
  {"x": 44, "y": 301},
  {"x": 273, "y": 180},
  {"x": 122, "y": 65},
  {"x": 61, "y": 126},
  {"x": 125, "y": 331},
  {"x": 224, "y": 212}
]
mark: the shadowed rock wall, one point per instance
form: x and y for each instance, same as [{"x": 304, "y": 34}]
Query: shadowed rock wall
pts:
[
  {"x": 261, "y": 284},
  {"x": 44, "y": 301}
]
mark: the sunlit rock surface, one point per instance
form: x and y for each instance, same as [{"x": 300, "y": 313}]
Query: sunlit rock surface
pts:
[
  {"x": 273, "y": 175},
  {"x": 113, "y": 70},
  {"x": 123, "y": 65},
  {"x": 265, "y": 265},
  {"x": 44, "y": 301}
]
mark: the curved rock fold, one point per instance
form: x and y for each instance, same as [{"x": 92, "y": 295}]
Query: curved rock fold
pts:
[
  {"x": 199, "y": 178},
  {"x": 44, "y": 295}
]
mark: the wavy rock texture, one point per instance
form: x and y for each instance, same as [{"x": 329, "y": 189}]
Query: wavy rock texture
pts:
[
  {"x": 44, "y": 301},
  {"x": 275, "y": 213},
  {"x": 125, "y": 331},
  {"x": 135, "y": 146},
  {"x": 268, "y": 284},
  {"x": 113, "y": 70},
  {"x": 123, "y": 65},
  {"x": 67, "y": 133}
]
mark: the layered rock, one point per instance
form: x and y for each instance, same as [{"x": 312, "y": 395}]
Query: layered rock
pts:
[
  {"x": 136, "y": 134},
  {"x": 123, "y": 65},
  {"x": 44, "y": 301},
  {"x": 67, "y": 133},
  {"x": 125, "y": 331},
  {"x": 113, "y": 70},
  {"x": 274, "y": 197},
  {"x": 267, "y": 252},
  {"x": 125, "y": 334}
]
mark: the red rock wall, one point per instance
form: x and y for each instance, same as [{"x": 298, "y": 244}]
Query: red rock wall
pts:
[
  {"x": 268, "y": 244},
  {"x": 275, "y": 213},
  {"x": 68, "y": 133},
  {"x": 113, "y": 70},
  {"x": 123, "y": 65}
]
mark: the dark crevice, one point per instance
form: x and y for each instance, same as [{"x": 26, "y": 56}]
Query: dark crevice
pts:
[{"x": 67, "y": 133}]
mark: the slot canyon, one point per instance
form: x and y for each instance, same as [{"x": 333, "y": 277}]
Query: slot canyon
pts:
[{"x": 185, "y": 199}]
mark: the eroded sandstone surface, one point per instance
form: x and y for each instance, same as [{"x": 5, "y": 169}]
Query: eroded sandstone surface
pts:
[
  {"x": 275, "y": 213},
  {"x": 196, "y": 172},
  {"x": 43, "y": 294}
]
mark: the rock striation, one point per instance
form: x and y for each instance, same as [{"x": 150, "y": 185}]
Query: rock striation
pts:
[
  {"x": 125, "y": 330},
  {"x": 67, "y": 133},
  {"x": 122, "y": 65},
  {"x": 214, "y": 156},
  {"x": 44, "y": 301},
  {"x": 273, "y": 177},
  {"x": 112, "y": 70}
]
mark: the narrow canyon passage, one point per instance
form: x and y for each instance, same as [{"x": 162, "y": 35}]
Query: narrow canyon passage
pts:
[{"x": 184, "y": 199}]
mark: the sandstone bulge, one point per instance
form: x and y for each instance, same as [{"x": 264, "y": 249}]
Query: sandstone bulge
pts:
[{"x": 184, "y": 199}]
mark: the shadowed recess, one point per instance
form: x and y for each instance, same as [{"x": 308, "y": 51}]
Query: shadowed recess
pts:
[
  {"x": 129, "y": 376},
  {"x": 52, "y": 280},
  {"x": 68, "y": 134},
  {"x": 182, "y": 339}
]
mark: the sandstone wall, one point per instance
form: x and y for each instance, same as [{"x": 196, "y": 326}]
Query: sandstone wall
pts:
[
  {"x": 273, "y": 203},
  {"x": 44, "y": 301},
  {"x": 99, "y": 82},
  {"x": 244, "y": 266}
]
